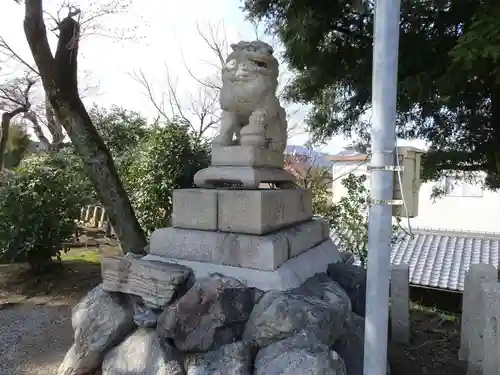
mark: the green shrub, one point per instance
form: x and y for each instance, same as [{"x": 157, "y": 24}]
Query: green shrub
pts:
[
  {"x": 39, "y": 205},
  {"x": 166, "y": 160}
]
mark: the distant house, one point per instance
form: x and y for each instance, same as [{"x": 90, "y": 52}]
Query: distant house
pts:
[{"x": 449, "y": 233}]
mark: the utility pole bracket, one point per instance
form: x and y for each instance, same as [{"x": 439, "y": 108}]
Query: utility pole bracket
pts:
[
  {"x": 391, "y": 168},
  {"x": 390, "y": 202}
]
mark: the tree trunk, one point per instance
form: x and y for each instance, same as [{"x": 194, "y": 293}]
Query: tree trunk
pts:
[
  {"x": 4, "y": 136},
  {"x": 53, "y": 125},
  {"x": 37, "y": 128},
  {"x": 59, "y": 77}
]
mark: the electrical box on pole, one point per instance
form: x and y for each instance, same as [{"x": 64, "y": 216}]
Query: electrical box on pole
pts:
[{"x": 406, "y": 185}]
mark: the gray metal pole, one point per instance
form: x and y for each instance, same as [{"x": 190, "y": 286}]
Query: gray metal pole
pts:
[{"x": 384, "y": 81}]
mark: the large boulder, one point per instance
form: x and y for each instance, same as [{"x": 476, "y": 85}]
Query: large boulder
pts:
[
  {"x": 231, "y": 359},
  {"x": 100, "y": 321},
  {"x": 212, "y": 313},
  {"x": 299, "y": 354},
  {"x": 324, "y": 288},
  {"x": 142, "y": 353},
  {"x": 353, "y": 280},
  {"x": 319, "y": 306}
]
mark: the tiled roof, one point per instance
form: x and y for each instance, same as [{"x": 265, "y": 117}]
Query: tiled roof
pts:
[{"x": 440, "y": 259}]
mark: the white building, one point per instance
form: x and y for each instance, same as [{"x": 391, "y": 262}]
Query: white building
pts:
[{"x": 464, "y": 207}]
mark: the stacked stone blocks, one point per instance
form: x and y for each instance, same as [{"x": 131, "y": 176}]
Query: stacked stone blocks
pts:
[{"x": 238, "y": 222}]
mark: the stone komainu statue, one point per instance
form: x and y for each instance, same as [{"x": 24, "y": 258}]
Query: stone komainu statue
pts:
[{"x": 252, "y": 114}]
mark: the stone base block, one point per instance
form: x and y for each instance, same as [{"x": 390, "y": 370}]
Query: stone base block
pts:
[
  {"x": 195, "y": 209},
  {"x": 247, "y": 177},
  {"x": 289, "y": 275},
  {"x": 240, "y": 211},
  {"x": 262, "y": 211},
  {"x": 246, "y": 156},
  {"x": 241, "y": 250}
]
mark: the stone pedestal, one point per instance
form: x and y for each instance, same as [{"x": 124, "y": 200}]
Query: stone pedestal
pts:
[
  {"x": 289, "y": 275},
  {"x": 247, "y": 177},
  {"x": 266, "y": 252},
  {"x": 267, "y": 235},
  {"x": 240, "y": 211},
  {"x": 246, "y": 156}
]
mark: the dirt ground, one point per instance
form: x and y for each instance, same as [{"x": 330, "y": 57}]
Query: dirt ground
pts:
[
  {"x": 434, "y": 347},
  {"x": 35, "y": 311},
  {"x": 35, "y": 318}
]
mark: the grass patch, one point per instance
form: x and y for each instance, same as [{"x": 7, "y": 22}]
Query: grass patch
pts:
[
  {"x": 71, "y": 278},
  {"x": 78, "y": 271},
  {"x": 91, "y": 255},
  {"x": 444, "y": 316}
]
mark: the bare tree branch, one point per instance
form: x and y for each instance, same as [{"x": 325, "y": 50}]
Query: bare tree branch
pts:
[
  {"x": 16, "y": 92},
  {"x": 140, "y": 78},
  {"x": 90, "y": 23},
  {"x": 7, "y": 51},
  {"x": 199, "y": 113},
  {"x": 217, "y": 44}
]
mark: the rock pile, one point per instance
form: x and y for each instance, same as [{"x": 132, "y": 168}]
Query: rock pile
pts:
[{"x": 216, "y": 325}]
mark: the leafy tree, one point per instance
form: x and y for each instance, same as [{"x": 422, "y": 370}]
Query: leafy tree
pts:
[
  {"x": 122, "y": 130},
  {"x": 166, "y": 160},
  {"x": 151, "y": 160},
  {"x": 39, "y": 205},
  {"x": 448, "y": 77},
  {"x": 349, "y": 216}
]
